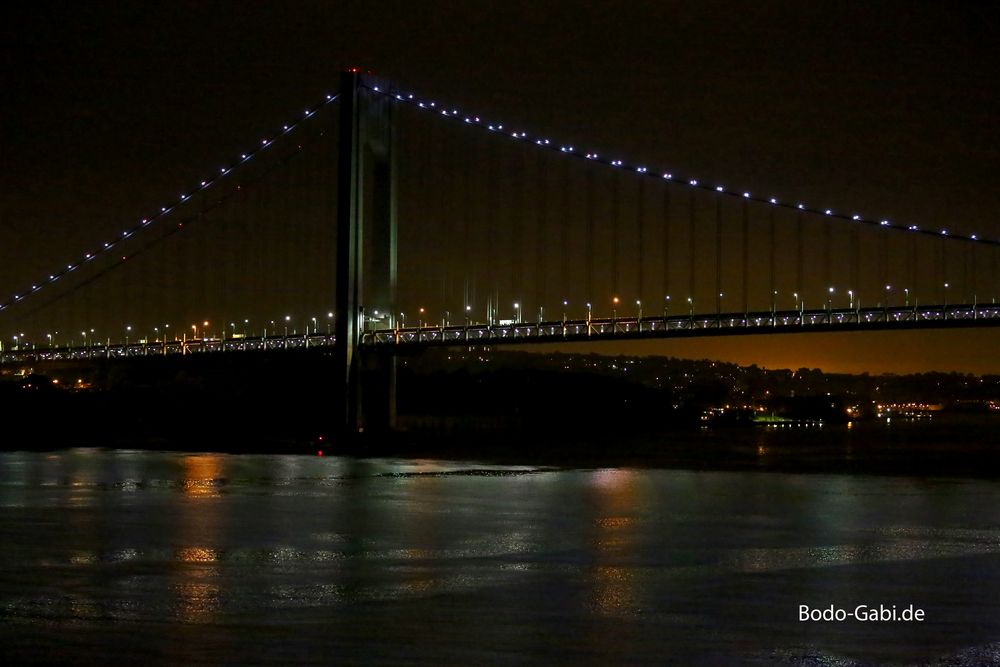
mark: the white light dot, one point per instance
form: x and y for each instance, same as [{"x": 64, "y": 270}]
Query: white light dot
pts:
[
  {"x": 718, "y": 188},
  {"x": 746, "y": 195}
]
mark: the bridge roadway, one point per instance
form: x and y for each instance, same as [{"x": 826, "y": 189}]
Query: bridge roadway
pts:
[{"x": 755, "y": 323}]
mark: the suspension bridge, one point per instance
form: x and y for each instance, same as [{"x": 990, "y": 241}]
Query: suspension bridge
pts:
[{"x": 380, "y": 220}]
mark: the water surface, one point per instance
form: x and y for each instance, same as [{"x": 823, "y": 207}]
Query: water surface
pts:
[{"x": 124, "y": 556}]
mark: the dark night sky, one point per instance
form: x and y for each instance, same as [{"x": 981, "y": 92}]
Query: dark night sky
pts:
[{"x": 888, "y": 107}]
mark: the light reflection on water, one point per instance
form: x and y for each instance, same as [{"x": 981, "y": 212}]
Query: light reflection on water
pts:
[
  {"x": 614, "y": 524},
  {"x": 220, "y": 543}
]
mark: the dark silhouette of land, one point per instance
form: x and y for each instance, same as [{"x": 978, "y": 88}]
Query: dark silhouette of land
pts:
[{"x": 548, "y": 408}]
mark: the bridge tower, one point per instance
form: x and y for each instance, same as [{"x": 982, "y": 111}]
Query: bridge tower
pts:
[{"x": 366, "y": 251}]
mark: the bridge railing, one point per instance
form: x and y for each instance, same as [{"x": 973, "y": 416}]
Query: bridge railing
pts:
[
  {"x": 956, "y": 315},
  {"x": 171, "y": 347},
  {"x": 691, "y": 324}
]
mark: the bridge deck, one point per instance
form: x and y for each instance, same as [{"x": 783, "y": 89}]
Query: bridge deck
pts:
[
  {"x": 675, "y": 326},
  {"x": 754, "y": 323}
]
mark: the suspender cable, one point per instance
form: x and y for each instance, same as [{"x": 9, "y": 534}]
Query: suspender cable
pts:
[
  {"x": 856, "y": 260},
  {"x": 993, "y": 274},
  {"x": 827, "y": 255},
  {"x": 746, "y": 256},
  {"x": 718, "y": 255},
  {"x": 666, "y": 246},
  {"x": 615, "y": 206},
  {"x": 912, "y": 262},
  {"x": 770, "y": 257},
  {"x": 943, "y": 266},
  {"x": 970, "y": 261},
  {"x": 640, "y": 214},
  {"x": 520, "y": 186},
  {"x": 438, "y": 164},
  {"x": 467, "y": 256},
  {"x": 564, "y": 216},
  {"x": 884, "y": 262},
  {"x": 542, "y": 214},
  {"x": 589, "y": 246},
  {"x": 692, "y": 246},
  {"x": 799, "y": 260},
  {"x": 491, "y": 201}
]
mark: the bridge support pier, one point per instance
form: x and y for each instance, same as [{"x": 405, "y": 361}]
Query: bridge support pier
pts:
[{"x": 366, "y": 202}]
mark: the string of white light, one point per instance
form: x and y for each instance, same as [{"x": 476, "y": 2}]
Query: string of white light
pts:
[
  {"x": 643, "y": 171},
  {"x": 164, "y": 211}
]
